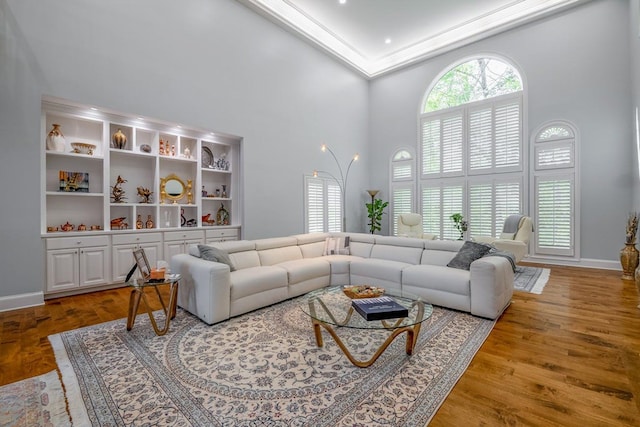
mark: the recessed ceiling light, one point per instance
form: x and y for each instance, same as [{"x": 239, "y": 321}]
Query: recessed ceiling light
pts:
[
  {"x": 387, "y": 41},
  {"x": 342, "y": 1},
  {"x": 94, "y": 108}
]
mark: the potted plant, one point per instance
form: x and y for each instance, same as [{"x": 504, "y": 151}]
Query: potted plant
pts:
[
  {"x": 460, "y": 224},
  {"x": 375, "y": 211}
]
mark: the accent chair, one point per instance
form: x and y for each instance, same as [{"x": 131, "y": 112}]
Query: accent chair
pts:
[
  {"x": 514, "y": 238},
  {"x": 410, "y": 225}
]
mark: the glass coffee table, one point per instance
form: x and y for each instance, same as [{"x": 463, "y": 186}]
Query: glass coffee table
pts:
[
  {"x": 331, "y": 309},
  {"x": 138, "y": 287}
]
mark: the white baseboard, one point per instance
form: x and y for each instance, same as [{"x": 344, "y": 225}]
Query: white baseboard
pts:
[
  {"x": 583, "y": 262},
  {"x": 14, "y": 302}
]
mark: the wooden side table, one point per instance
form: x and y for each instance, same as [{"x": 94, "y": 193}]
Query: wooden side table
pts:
[{"x": 138, "y": 292}]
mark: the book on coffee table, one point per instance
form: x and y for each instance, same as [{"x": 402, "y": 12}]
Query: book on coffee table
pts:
[{"x": 379, "y": 308}]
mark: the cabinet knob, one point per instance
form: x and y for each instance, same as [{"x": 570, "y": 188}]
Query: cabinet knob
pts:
[{"x": 77, "y": 243}]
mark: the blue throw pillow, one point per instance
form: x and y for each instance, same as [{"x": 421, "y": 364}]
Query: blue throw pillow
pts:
[
  {"x": 469, "y": 252},
  {"x": 210, "y": 253}
]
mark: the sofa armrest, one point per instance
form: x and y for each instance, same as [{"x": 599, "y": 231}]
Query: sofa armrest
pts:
[
  {"x": 205, "y": 287},
  {"x": 491, "y": 286},
  {"x": 516, "y": 247}
]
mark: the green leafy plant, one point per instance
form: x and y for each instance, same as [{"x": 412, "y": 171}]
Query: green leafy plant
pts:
[
  {"x": 375, "y": 211},
  {"x": 459, "y": 223}
]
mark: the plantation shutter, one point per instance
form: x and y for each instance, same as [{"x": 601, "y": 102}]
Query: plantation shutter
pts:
[
  {"x": 401, "y": 202},
  {"x": 442, "y": 142},
  {"x": 315, "y": 202},
  {"x": 430, "y": 146},
  {"x": 438, "y": 204},
  {"x": 481, "y": 209},
  {"x": 431, "y": 210},
  {"x": 554, "y": 215},
  {"x": 507, "y": 202},
  {"x": 480, "y": 139},
  {"x": 334, "y": 208},
  {"x": 507, "y": 135},
  {"x": 323, "y": 210},
  {"x": 555, "y": 192}
]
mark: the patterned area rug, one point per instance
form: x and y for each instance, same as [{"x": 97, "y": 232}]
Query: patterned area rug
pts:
[
  {"x": 531, "y": 279},
  {"x": 37, "y": 401},
  {"x": 260, "y": 369}
]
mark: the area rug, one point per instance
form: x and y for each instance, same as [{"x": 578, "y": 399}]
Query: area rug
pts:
[
  {"x": 531, "y": 279},
  {"x": 261, "y": 369},
  {"x": 37, "y": 401}
]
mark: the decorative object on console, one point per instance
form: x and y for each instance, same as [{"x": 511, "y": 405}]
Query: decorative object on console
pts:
[
  {"x": 67, "y": 227},
  {"x": 52, "y": 229},
  {"x": 82, "y": 227},
  {"x": 139, "y": 222},
  {"x": 117, "y": 192},
  {"x": 83, "y": 148},
  {"x": 172, "y": 188},
  {"x": 119, "y": 224},
  {"x": 204, "y": 192},
  {"x": 192, "y": 222},
  {"x": 96, "y": 227},
  {"x": 342, "y": 182},
  {"x": 145, "y": 148},
  {"x": 207, "y": 157},
  {"x": 207, "y": 219},
  {"x": 149, "y": 223},
  {"x": 55, "y": 139},
  {"x": 224, "y": 191},
  {"x": 187, "y": 153},
  {"x": 375, "y": 210},
  {"x": 629, "y": 254},
  {"x": 145, "y": 194},
  {"x": 217, "y": 192},
  {"x": 460, "y": 224},
  {"x": 222, "y": 217},
  {"x": 161, "y": 150},
  {"x": 173, "y": 150},
  {"x": 183, "y": 220},
  {"x": 74, "y": 182},
  {"x": 119, "y": 140}
]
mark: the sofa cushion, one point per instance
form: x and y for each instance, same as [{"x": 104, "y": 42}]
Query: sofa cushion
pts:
[
  {"x": 312, "y": 250},
  {"x": 397, "y": 253},
  {"x": 469, "y": 252},
  {"x": 306, "y": 238},
  {"x": 305, "y": 269},
  {"x": 250, "y": 281},
  {"x": 379, "y": 268},
  {"x": 438, "y": 278},
  {"x": 246, "y": 259},
  {"x": 275, "y": 242},
  {"x": 209, "y": 253},
  {"x": 278, "y": 255}
]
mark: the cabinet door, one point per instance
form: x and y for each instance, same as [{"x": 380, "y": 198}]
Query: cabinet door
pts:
[
  {"x": 122, "y": 260},
  {"x": 94, "y": 266},
  {"x": 62, "y": 269},
  {"x": 171, "y": 249},
  {"x": 153, "y": 252},
  {"x": 190, "y": 242}
]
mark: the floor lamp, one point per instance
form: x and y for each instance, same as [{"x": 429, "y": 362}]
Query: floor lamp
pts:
[{"x": 342, "y": 182}]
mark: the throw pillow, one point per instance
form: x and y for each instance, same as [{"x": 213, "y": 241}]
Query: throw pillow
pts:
[
  {"x": 210, "y": 253},
  {"x": 469, "y": 252},
  {"x": 336, "y": 246}
]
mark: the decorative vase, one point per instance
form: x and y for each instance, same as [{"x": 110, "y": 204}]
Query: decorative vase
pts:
[
  {"x": 55, "y": 139},
  {"x": 119, "y": 140},
  {"x": 629, "y": 261},
  {"x": 149, "y": 223},
  {"x": 224, "y": 191},
  {"x": 139, "y": 222}
]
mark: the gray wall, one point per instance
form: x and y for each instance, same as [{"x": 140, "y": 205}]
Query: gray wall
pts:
[
  {"x": 210, "y": 64},
  {"x": 634, "y": 44},
  {"x": 576, "y": 67}
]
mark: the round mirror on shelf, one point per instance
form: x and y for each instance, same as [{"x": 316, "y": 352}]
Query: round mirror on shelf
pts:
[{"x": 172, "y": 188}]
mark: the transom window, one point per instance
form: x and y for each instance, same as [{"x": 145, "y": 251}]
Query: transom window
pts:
[
  {"x": 471, "y": 148},
  {"x": 402, "y": 185}
]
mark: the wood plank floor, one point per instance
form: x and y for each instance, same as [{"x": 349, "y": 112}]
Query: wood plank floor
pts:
[{"x": 568, "y": 357}]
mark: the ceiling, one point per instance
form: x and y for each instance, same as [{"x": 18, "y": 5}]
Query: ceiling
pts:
[{"x": 378, "y": 36}]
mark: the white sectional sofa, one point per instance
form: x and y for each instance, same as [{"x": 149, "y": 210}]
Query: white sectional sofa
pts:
[{"x": 268, "y": 271}]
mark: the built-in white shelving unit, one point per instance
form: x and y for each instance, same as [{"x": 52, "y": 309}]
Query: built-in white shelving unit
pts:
[{"x": 77, "y": 189}]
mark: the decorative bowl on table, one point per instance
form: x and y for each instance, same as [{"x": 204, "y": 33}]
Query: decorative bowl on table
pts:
[
  {"x": 362, "y": 291},
  {"x": 83, "y": 148}
]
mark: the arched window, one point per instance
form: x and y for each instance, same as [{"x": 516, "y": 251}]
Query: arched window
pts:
[
  {"x": 402, "y": 185},
  {"x": 554, "y": 177},
  {"x": 471, "y": 148}
]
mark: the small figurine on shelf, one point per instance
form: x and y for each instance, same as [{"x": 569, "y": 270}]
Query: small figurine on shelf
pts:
[
  {"x": 192, "y": 222},
  {"x": 217, "y": 192},
  {"x": 139, "y": 222},
  {"x": 149, "y": 223},
  {"x": 187, "y": 153},
  {"x": 224, "y": 191},
  {"x": 145, "y": 194},
  {"x": 222, "y": 217},
  {"x": 161, "y": 150},
  {"x": 183, "y": 220},
  {"x": 119, "y": 224},
  {"x": 173, "y": 150},
  {"x": 117, "y": 192},
  {"x": 204, "y": 192},
  {"x": 119, "y": 140},
  {"x": 207, "y": 219}
]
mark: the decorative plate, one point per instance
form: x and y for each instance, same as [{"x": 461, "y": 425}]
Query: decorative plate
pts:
[
  {"x": 362, "y": 291},
  {"x": 207, "y": 157}
]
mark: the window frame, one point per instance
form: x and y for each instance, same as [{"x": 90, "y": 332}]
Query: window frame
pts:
[{"x": 326, "y": 214}]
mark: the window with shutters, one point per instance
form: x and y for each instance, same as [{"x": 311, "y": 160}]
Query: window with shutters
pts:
[
  {"x": 554, "y": 177},
  {"x": 471, "y": 148},
  {"x": 402, "y": 186},
  {"x": 323, "y": 210}
]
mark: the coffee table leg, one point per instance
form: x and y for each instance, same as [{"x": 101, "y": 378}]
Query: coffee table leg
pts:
[{"x": 134, "y": 303}]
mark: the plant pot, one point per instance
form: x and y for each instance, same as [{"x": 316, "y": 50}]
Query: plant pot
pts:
[{"x": 629, "y": 261}]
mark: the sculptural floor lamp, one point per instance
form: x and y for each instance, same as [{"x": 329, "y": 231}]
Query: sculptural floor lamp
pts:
[{"x": 342, "y": 182}]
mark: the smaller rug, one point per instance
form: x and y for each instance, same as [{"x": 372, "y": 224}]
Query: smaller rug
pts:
[
  {"x": 37, "y": 401},
  {"x": 531, "y": 279}
]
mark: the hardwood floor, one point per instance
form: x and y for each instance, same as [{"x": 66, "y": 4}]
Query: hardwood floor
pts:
[{"x": 568, "y": 357}]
